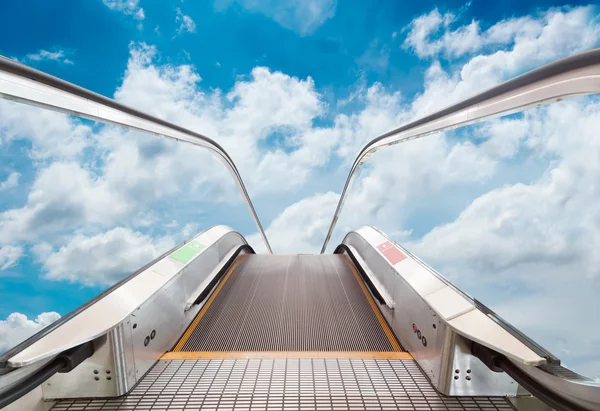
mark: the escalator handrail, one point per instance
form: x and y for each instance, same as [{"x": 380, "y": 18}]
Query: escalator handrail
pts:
[
  {"x": 27, "y": 85},
  {"x": 6, "y": 356},
  {"x": 571, "y": 76}
]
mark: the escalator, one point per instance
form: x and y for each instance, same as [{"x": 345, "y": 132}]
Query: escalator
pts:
[
  {"x": 287, "y": 332},
  {"x": 212, "y": 325}
]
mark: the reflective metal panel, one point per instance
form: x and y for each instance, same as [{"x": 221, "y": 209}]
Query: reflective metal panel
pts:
[
  {"x": 99, "y": 318},
  {"x": 95, "y": 377},
  {"x": 130, "y": 348},
  {"x": 423, "y": 305}
]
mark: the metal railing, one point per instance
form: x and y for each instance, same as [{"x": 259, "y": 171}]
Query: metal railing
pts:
[
  {"x": 24, "y": 84},
  {"x": 575, "y": 75}
]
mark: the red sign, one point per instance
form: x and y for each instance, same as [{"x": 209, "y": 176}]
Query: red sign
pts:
[{"x": 390, "y": 252}]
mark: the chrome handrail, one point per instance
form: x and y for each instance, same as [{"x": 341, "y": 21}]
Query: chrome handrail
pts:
[
  {"x": 24, "y": 84},
  {"x": 575, "y": 75}
]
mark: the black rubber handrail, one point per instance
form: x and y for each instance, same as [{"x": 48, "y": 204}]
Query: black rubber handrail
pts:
[
  {"x": 64, "y": 362},
  {"x": 498, "y": 362}
]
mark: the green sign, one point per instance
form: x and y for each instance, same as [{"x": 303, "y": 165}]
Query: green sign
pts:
[{"x": 187, "y": 252}]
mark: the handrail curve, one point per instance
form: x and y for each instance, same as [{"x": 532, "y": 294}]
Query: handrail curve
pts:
[
  {"x": 27, "y": 85},
  {"x": 568, "y": 77}
]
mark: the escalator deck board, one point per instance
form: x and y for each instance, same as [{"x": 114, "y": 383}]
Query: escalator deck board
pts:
[
  {"x": 290, "y": 303},
  {"x": 290, "y": 384}
]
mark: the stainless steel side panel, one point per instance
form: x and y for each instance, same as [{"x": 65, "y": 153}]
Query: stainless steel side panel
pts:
[
  {"x": 95, "y": 377},
  {"x": 434, "y": 344},
  {"x": 130, "y": 349},
  {"x": 428, "y": 307}
]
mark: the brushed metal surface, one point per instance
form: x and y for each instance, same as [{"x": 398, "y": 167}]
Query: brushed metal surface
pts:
[
  {"x": 95, "y": 377},
  {"x": 114, "y": 308},
  {"x": 423, "y": 331},
  {"x": 469, "y": 376},
  {"x": 580, "y": 390},
  {"x": 131, "y": 348}
]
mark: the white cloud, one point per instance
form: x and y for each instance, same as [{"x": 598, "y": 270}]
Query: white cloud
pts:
[
  {"x": 300, "y": 226},
  {"x": 11, "y": 181},
  {"x": 59, "y": 56},
  {"x": 101, "y": 259},
  {"x": 53, "y": 135},
  {"x": 561, "y": 34},
  {"x": 134, "y": 169},
  {"x": 9, "y": 255},
  {"x": 127, "y": 7},
  {"x": 185, "y": 22},
  {"x": 63, "y": 196},
  {"x": 267, "y": 105},
  {"x": 556, "y": 27},
  {"x": 267, "y": 122},
  {"x": 302, "y": 16},
  {"x": 527, "y": 245},
  {"x": 548, "y": 221},
  {"x": 17, "y": 327},
  {"x": 189, "y": 230}
]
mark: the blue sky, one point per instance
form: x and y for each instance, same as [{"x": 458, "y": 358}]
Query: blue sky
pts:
[{"x": 293, "y": 90}]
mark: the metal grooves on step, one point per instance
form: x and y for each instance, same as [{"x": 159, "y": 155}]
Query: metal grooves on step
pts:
[{"x": 290, "y": 303}]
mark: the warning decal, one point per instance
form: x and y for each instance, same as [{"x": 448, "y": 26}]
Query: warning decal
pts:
[{"x": 391, "y": 253}]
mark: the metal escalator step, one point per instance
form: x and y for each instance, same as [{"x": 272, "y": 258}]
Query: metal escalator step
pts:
[
  {"x": 275, "y": 384},
  {"x": 290, "y": 303}
]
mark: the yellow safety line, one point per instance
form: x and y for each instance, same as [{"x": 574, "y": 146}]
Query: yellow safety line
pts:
[
  {"x": 206, "y": 306},
  {"x": 203, "y": 355},
  {"x": 382, "y": 320}
]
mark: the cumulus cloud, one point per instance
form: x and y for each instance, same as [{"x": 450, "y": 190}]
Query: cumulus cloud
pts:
[
  {"x": 17, "y": 327},
  {"x": 547, "y": 221},
  {"x": 303, "y": 17},
  {"x": 299, "y": 227},
  {"x": 52, "y": 135},
  {"x": 511, "y": 244},
  {"x": 101, "y": 259},
  {"x": 266, "y": 105},
  {"x": 11, "y": 181},
  {"x": 459, "y": 191},
  {"x": 135, "y": 169},
  {"x": 63, "y": 196},
  {"x": 127, "y": 7},
  {"x": 59, "y": 56},
  {"x": 186, "y": 24},
  {"x": 561, "y": 34},
  {"x": 431, "y": 34}
]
